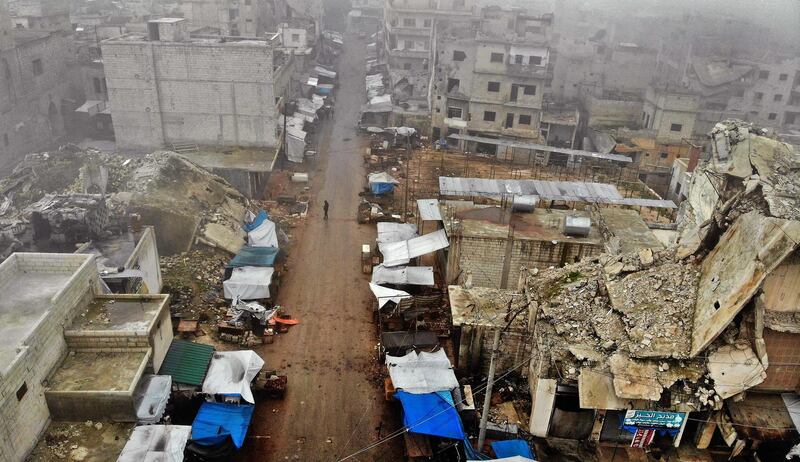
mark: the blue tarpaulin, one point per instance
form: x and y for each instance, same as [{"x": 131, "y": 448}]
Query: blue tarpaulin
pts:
[
  {"x": 431, "y": 414},
  {"x": 381, "y": 188},
  {"x": 254, "y": 256},
  {"x": 217, "y": 421},
  {"x": 260, "y": 218},
  {"x": 511, "y": 448}
]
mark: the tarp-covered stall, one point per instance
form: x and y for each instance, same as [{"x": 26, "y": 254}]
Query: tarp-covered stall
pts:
[
  {"x": 386, "y": 295},
  {"x": 150, "y": 398},
  {"x": 216, "y": 422},
  {"x": 403, "y": 275},
  {"x": 431, "y": 414},
  {"x": 400, "y": 253},
  {"x": 254, "y": 256},
  {"x": 248, "y": 283},
  {"x": 422, "y": 372},
  {"x": 381, "y": 183},
  {"x": 265, "y": 235},
  {"x": 231, "y": 372},
  {"x": 156, "y": 443}
]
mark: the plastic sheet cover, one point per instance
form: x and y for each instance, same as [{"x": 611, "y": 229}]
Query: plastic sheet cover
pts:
[
  {"x": 156, "y": 443},
  {"x": 431, "y": 414},
  {"x": 215, "y": 422},
  {"x": 386, "y": 295},
  {"x": 265, "y": 235},
  {"x": 395, "y": 232},
  {"x": 248, "y": 283},
  {"x": 151, "y": 398},
  {"x": 422, "y": 372},
  {"x": 413, "y": 275},
  {"x": 230, "y": 373}
]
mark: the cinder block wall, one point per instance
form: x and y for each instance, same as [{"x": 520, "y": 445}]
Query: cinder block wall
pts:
[
  {"x": 25, "y": 419},
  {"x": 105, "y": 341}
]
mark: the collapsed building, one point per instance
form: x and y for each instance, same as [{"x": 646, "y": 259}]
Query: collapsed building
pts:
[{"x": 692, "y": 346}]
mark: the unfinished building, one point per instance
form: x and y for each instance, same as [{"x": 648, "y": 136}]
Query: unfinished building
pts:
[{"x": 167, "y": 87}]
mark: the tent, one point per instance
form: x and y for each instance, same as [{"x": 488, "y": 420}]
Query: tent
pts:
[
  {"x": 265, "y": 235},
  {"x": 386, "y": 295},
  {"x": 511, "y": 448},
  {"x": 231, "y": 372},
  {"x": 381, "y": 183},
  {"x": 422, "y": 372},
  {"x": 151, "y": 443},
  {"x": 248, "y": 283},
  {"x": 215, "y": 422},
  {"x": 254, "y": 256},
  {"x": 431, "y": 414}
]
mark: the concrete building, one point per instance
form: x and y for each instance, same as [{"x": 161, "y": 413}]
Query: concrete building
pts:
[
  {"x": 411, "y": 28},
  {"x": 49, "y": 15},
  {"x": 168, "y": 87},
  {"x": 490, "y": 82},
  {"x": 67, "y": 312},
  {"x": 247, "y": 18},
  {"x": 365, "y": 16},
  {"x": 773, "y": 100}
]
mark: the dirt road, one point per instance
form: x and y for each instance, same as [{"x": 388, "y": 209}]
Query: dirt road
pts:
[{"x": 331, "y": 408}]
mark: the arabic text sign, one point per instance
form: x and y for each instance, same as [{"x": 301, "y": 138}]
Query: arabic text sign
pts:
[{"x": 654, "y": 419}]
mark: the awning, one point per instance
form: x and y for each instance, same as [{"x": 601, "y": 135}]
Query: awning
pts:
[
  {"x": 231, "y": 372},
  {"x": 187, "y": 362},
  {"x": 422, "y": 372},
  {"x": 412, "y": 275},
  {"x": 248, "y": 283},
  {"x": 254, "y": 256},
  {"x": 156, "y": 443},
  {"x": 431, "y": 414},
  {"x": 92, "y": 107},
  {"x": 215, "y": 422},
  {"x": 395, "y": 232},
  {"x": 429, "y": 210},
  {"x": 400, "y": 253},
  {"x": 264, "y": 235},
  {"x": 150, "y": 398},
  {"x": 386, "y": 295},
  {"x": 541, "y": 147}
]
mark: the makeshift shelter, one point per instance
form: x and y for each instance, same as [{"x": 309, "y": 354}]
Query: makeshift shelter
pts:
[
  {"x": 254, "y": 256},
  {"x": 403, "y": 275},
  {"x": 395, "y": 232},
  {"x": 386, "y": 295},
  {"x": 216, "y": 422},
  {"x": 156, "y": 443},
  {"x": 422, "y": 372},
  {"x": 399, "y": 342},
  {"x": 248, "y": 283},
  {"x": 254, "y": 220},
  {"x": 381, "y": 183},
  {"x": 400, "y": 253},
  {"x": 265, "y": 235},
  {"x": 187, "y": 362},
  {"x": 151, "y": 398},
  {"x": 431, "y": 414},
  {"x": 231, "y": 373}
]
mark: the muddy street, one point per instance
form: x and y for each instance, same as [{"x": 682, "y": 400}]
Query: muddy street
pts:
[{"x": 332, "y": 408}]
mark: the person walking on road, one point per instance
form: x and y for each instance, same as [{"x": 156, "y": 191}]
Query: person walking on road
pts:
[{"x": 325, "y": 209}]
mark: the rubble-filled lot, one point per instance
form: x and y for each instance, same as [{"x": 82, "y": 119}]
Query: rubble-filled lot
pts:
[{"x": 81, "y": 441}]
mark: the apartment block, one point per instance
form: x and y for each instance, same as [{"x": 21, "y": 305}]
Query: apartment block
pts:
[{"x": 167, "y": 87}]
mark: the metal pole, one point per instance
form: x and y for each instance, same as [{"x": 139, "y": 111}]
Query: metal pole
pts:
[
  {"x": 487, "y": 399},
  {"x": 408, "y": 161}
]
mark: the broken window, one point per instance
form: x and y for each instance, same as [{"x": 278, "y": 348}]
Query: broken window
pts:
[
  {"x": 772, "y": 116},
  {"x": 37, "y": 67},
  {"x": 426, "y": 23},
  {"x": 536, "y": 60},
  {"x": 22, "y": 390},
  {"x": 758, "y": 96},
  {"x": 233, "y": 13},
  {"x": 459, "y": 55},
  {"x": 777, "y": 98},
  {"x": 489, "y": 116},
  {"x": 407, "y": 66},
  {"x": 437, "y": 133},
  {"x": 99, "y": 88},
  {"x": 524, "y": 119},
  {"x": 763, "y": 75},
  {"x": 518, "y": 59},
  {"x": 295, "y": 38},
  {"x": 509, "y": 120},
  {"x": 783, "y": 77},
  {"x": 676, "y": 127},
  {"x": 409, "y": 22},
  {"x": 494, "y": 87},
  {"x": 496, "y": 58},
  {"x": 452, "y": 85},
  {"x": 408, "y": 44},
  {"x": 454, "y": 112},
  {"x": 664, "y": 155},
  {"x": 529, "y": 90}
]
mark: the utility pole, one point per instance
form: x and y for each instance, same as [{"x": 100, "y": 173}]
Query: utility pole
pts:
[
  {"x": 408, "y": 161},
  {"x": 487, "y": 399}
]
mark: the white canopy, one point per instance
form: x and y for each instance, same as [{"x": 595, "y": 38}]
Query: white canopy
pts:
[
  {"x": 231, "y": 372},
  {"x": 263, "y": 236},
  {"x": 156, "y": 443},
  {"x": 381, "y": 177},
  {"x": 399, "y": 253},
  {"x": 395, "y": 232},
  {"x": 414, "y": 275},
  {"x": 386, "y": 295},
  {"x": 422, "y": 372},
  {"x": 248, "y": 283}
]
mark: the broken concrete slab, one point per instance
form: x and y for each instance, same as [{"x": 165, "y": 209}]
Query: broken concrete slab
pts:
[{"x": 734, "y": 369}]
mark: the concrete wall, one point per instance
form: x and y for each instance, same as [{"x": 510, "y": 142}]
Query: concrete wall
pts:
[
  {"x": 609, "y": 113},
  {"x": 475, "y": 349},
  {"x": 663, "y": 109},
  {"x": 209, "y": 93},
  {"x": 25, "y": 419},
  {"x": 145, "y": 258}
]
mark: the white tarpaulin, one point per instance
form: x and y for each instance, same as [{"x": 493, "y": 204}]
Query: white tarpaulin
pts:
[
  {"x": 395, "y": 232},
  {"x": 402, "y": 131},
  {"x": 378, "y": 100},
  {"x": 295, "y": 149},
  {"x": 263, "y": 236},
  {"x": 248, "y": 283},
  {"x": 399, "y": 253},
  {"x": 231, "y": 372},
  {"x": 156, "y": 443},
  {"x": 382, "y": 177},
  {"x": 414, "y": 275},
  {"x": 150, "y": 398},
  {"x": 321, "y": 71},
  {"x": 386, "y": 295},
  {"x": 422, "y": 372}
]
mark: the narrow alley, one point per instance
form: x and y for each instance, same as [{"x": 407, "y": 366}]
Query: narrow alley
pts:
[{"x": 331, "y": 409}]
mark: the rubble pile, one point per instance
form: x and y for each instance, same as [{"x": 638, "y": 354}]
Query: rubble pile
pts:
[{"x": 193, "y": 279}]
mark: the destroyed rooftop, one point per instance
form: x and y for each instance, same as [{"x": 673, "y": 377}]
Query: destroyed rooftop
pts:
[
  {"x": 89, "y": 371},
  {"x": 119, "y": 313}
]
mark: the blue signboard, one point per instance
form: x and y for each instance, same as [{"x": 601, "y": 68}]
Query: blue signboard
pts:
[{"x": 654, "y": 419}]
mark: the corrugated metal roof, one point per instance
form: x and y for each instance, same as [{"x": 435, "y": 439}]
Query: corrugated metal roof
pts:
[
  {"x": 571, "y": 191},
  {"x": 395, "y": 232},
  {"x": 541, "y": 147},
  {"x": 429, "y": 209},
  {"x": 399, "y": 253},
  {"x": 187, "y": 362},
  {"x": 414, "y": 275}
]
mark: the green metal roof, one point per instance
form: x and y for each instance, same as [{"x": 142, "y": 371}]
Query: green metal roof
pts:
[{"x": 187, "y": 362}]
